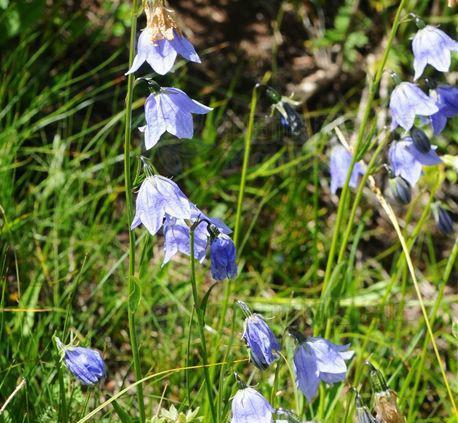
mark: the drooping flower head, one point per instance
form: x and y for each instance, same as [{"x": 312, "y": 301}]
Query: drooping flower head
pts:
[
  {"x": 85, "y": 364},
  {"x": 444, "y": 221},
  {"x": 446, "y": 98},
  {"x": 407, "y": 161},
  {"x": 385, "y": 399},
  {"x": 223, "y": 257},
  {"x": 157, "y": 199},
  {"x": 408, "y": 101},
  {"x": 249, "y": 406},
  {"x": 170, "y": 109},
  {"x": 420, "y": 139},
  {"x": 401, "y": 189},
  {"x": 259, "y": 338},
  {"x": 161, "y": 41},
  {"x": 432, "y": 46},
  {"x": 317, "y": 359},
  {"x": 339, "y": 166}
]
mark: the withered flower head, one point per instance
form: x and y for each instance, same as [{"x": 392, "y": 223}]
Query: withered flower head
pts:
[
  {"x": 386, "y": 407},
  {"x": 161, "y": 22}
]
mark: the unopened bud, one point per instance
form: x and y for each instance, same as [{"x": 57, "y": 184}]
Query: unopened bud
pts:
[
  {"x": 401, "y": 190},
  {"x": 420, "y": 140}
]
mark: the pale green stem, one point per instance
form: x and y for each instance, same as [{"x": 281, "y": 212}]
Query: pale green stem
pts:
[
  {"x": 200, "y": 312},
  {"x": 129, "y": 204}
]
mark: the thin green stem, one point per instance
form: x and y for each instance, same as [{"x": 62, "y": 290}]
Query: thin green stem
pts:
[
  {"x": 200, "y": 312},
  {"x": 359, "y": 141},
  {"x": 129, "y": 203}
]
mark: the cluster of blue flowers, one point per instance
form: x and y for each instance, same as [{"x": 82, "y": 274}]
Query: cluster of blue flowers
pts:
[
  {"x": 315, "y": 360},
  {"x": 413, "y": 151}
]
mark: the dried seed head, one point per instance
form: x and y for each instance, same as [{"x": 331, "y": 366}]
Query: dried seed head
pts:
[
  {"x": 386, "y": 407},
  {"x": 161, "y": 22}
]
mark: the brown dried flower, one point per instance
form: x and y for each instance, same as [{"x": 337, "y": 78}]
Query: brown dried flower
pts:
[
  {"x": 161, "y": 22},
  {"x": 386, "y": 407}
]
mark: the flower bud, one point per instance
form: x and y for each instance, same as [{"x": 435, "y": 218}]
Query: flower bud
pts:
[
  {"x": 420, "y": 140},
  {"x": 443, "y": 219},
  {"x": 222, "y": 256},
  {"x": 260, "y": 339},
  {"x": 362, "y": 413},
  {"x": 401, "y": 190},
  {"x": 86, "y": 364}
]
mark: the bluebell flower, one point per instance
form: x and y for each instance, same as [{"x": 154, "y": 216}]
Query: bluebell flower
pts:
[
  {"x": 259, "y": 338},
  {"x": 407, "y": 101},
  {"x": 432, "y": 46},
  {"x": 339, "y": 165},
  {"x": 161, "y": 41},
  {"x": 407, "y": 161},
  {"x": 223, "y": 258},
  {"x": 86, "y": 364},
  {"x": 249, "y": 406},
  {"x": 317, "y": 359},
  {"x": 178, "y": 236},
  {"x": 446, "y": 98},
  {"x": 443, "y": 219},
  {"x": 170, "y": 109},
  {"x": 157, "y": 198}
]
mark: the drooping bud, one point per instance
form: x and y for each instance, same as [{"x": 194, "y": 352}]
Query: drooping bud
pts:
[
  {"x": 420, "y": 140},
  {"x": 401, "y": 190},
  {"x": 443, "y": 219}
]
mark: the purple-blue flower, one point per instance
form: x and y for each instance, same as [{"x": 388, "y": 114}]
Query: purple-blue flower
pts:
[
  {"x": 222, "y": 256},
  {"x": 86, "y": 364},
  {"x": 178, "y": 235},
  {"x": 249, "y": 406},
  {"x": 317, "y": 359},
  {"x": 407, "y": 101},
  {"x": 407, "y": 161},
  {"x": 443, "y": 219},
  {"x": 170, "y": 109},
  {"x": 260, "y": 339},
  {"x": 161, "y": 54},
  {"x": 159, "y": 197},
  {"x": 340, "y": 163},
  {"x": 432, "y": 46},
  {"x": 446, "y": 98}
]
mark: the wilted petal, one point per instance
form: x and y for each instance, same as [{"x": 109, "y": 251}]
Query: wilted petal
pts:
[
  {"x": 306, "y": 369},
  {"x": 249, "y": 406}
]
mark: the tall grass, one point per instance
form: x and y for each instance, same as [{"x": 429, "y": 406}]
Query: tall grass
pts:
[{"x": 330, "y": 266}]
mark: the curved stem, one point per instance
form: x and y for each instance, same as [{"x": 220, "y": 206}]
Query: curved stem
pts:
[
  {"x": 129, "y": 203},
  {"x": 200, "y": 312}
]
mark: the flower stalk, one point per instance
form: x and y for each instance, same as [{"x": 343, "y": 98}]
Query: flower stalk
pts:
[{"x": 129, "y": 204}]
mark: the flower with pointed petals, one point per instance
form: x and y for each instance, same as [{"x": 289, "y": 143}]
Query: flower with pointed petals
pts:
[
  {"x": 446, "y": 98},
  {"x": 249, "y": 406},
  {"x": 85, "y": 364},
  {"x": 340, "y": 163},
  {"x": 161, "y": 41},
  {"x": 222, "y": 256},
  {"x": 159, "y": 197},
  {"x": 317, "y": 359},
  {"x": 432, "y": 46},
  {"x": 260, "y": 339},
  {"x": 407, "y": 101},
  {"x": 407, "y": 161},
  {"x": 178, "y": 236},
  {"x": 170, "y": 109}
]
